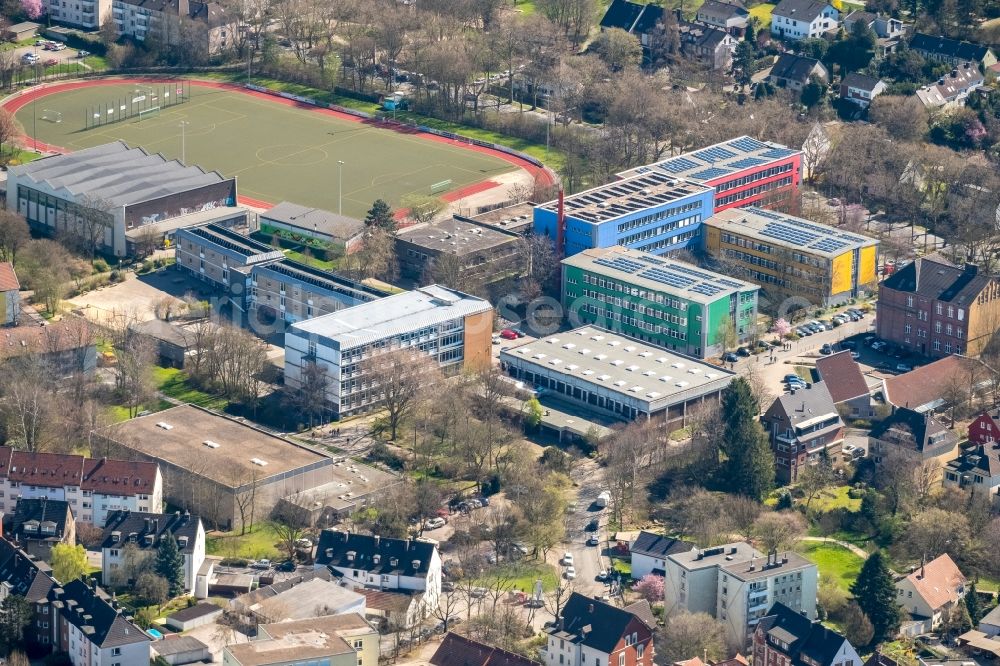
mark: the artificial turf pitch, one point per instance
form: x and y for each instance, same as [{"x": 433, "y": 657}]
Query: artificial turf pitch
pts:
[{"x": 278, "y": 152}]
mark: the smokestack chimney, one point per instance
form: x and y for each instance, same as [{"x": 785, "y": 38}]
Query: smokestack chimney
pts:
[{"x": 561, "y": 224}]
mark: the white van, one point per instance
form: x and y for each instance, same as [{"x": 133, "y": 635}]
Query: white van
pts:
[{"x": 603, "y": 499}]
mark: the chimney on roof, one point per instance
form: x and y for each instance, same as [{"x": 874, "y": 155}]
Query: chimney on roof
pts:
[
  {"x": 971, "y": 269},
  {"x": 146, "y": 524},
  {"x": 590, "y": 608},
  {"x": 376, "y": 539}
]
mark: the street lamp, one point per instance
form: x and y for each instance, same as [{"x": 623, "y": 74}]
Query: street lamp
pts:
[
  {"x": 183, "y": 124},
  {"x": 340, "y": 187}
]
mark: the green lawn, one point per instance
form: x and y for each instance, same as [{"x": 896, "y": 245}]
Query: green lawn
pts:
[
  {"x": 118, "y": 413},
  {"x": 762, "y": 13},
  {"x": 174, "y": 383},
  {"x": 834, "y": 498},
  {"x": 527, "y": 573},
  {"x": 255, "y": 545},
  {"x": 834, "y": 562},
  {"x": 295, "y": 153},
  {"x": 313, "y": 261}
]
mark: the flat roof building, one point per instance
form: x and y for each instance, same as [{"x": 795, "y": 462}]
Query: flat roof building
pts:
[
  {"x": 128, "y": 187},
  {"x": 516, "y": 218},
  {"x": 790, "y": 256},
  {"x": 662, "y": 301},
  {"x": 654, "y": 212},
  {"x": 617, "y": 375},
  {"x": 335, "y": 640},
  {"x": 213, "y": 464},
  {"x": 450, "y": 326},
  {"x": 743, "y": 171},
  {"x": 289, "y": 218}
]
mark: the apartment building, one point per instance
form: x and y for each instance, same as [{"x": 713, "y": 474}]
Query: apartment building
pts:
[
  {"x": 803, "y": 19},
  {"x": 589, "y": 631},
  {"x": 742, "y": 171},
  {"x": 785, "y": 637},
  {"x": 804, "y": 427},
  {"x": 653, "y": 212},
  {"x": 86, "y": 14},
  {"x": 659, "y": 300},
  {"x": 790, "y": 256},
  {"x": 201, "y": 25},
  {"x": 144, "y": 532},
  {"x": 736, "y": 584},
  {"x": 92, "y": 487},
  {"x": 451, "y": 327},
  {"x": 935, "y": 308}
]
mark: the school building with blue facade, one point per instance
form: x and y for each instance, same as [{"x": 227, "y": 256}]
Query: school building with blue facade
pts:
[{"x": 652, "y": 212}]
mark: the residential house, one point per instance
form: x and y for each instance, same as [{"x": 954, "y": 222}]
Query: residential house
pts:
[
  {"x": 621, "y": 14},
  {"x": 65, "y": 347},
  {"x": 300, "y": 597},
  {"x": 924, "y": 388},
  {"x": 93, "y": 487},
  {"x": 935, "y": 308},
  {"x": 142, "y": 533},
  {"x": 803, "y": 19},
  {"x": 330, "y": 640},
  {"x": 918, "y": 437},
  {"x": 394, "y": 610},
  {"x": 794, "y": 71},
  {"x": 861, "y": 89},
  {"x": 952, "y": 51},
  {"x": 649, "y": 553},
  {"x": 985, "y": 428},
  {"x": 398, "y": 565},
  {"x": 731, "y": 16},
  {"x": 338, "y": 231},
  {"x": 189, "y": 23},
  {"x": 39, "y": 524},
  {"x": 888, "y": 31},
  {"x": 458, "y": 650},
  {"x": 804, "y": 427},
  {"x": 953, "y": 88},
  {"x": 707, "y": 44},
  {"x": 10, "y": 296},
  {"x": 848, "y": 388},
  {"x": 929, "y": 592},
  {"x": 736, "y": 584},
  {"x": 589, "y": 631},
  {"x": 786, "y": 637},
  {"x": 171, "y": 341},
  {"x": 990, "y": 623},
  {"x": 977, "y": 469}
]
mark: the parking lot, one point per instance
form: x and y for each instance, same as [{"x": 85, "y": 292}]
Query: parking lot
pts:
[{"x": 46, "y": 56}]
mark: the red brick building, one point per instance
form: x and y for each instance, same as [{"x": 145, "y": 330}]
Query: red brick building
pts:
[
  {"x": 589, "y": 631},
  {"x": 802, "y": 424},
  {"x": 784, "y": 637},
  {"x": 986, "y": 428},
  {"x": 935, "y": 308}
]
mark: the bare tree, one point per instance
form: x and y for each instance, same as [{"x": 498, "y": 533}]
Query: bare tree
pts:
[
  {"x": 9, "y": 130},
  {"x": 400, "y": 378},
  {"x": 310, "y": 398},
  {"x": 245, "y": 481},
  {"x": 14, "y": 235},
  {"x": 288, "y": 534},
  {"x": 779, "y": 530}
]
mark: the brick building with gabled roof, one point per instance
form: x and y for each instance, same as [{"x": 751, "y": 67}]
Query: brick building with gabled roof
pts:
[
  {"x": 848, "y": 388},
  {"x": 784, "y": 636},
  {"x": 91, "y": 486},
  {"x": 458, "y": 650},
  {"x": 600, "y": 633}
]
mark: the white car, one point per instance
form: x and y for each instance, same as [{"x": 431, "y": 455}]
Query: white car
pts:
[
  {"x": 567, "y": 560},
  {"x": 570, "y": 573},
  {"x": 434, "y": 523}
]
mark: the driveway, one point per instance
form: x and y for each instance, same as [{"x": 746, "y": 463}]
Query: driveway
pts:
[
  {"x": 138, "y": 293},
  {"x": 587, "y": 560}
]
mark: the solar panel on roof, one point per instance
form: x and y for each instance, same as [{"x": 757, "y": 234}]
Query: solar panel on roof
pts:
[
  {"x": 746, "y": 163},
  {"x": 713, "y": 172},
  {"x": 788, "y": 234},
  {"x": 747, "y": 145},
  {"x": 768, "y": 214},
  {"x": 667, "y": 278},
  {"x": 714, "y": 154},
  {"x": 730, "y": 283},
  {"x": 620, "y": 263},
  {"x": 706, "y": 289},
  {"x": 678, "y": 165},
  {"x": 829, "y": 245},
  {"x": 776, "y": 153},
  {"x": 642, "y": 170}
]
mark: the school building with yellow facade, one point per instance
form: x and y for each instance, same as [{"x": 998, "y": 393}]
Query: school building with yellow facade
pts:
[{"x": 790, "y": 256}]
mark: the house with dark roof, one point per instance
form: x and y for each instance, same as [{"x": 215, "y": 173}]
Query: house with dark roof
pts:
[
  {"x": 888, "y": 31},
  {"x": 935, "y": 308},
  {"x": 930, "y": 591},
  {"x": 373, "y": 562},
  {"x": 784, "y": 636},
  {"x": 170, "y": 340},
  {"x": 649, "y": 553},
  {"x": 91, "y": 486},
  {"x": 803, "y": 19},
  {"x": 861, "y": 89},
  {"x": 39, "y": 524},
  {"x": 707, "y": 44},
  {"x": 918, "y": 437},
  {"x": 458, "y": 650},
  {"x": 804, "y": 426},
  {"x": 848, "y": 387},
  {"x": 731, "y": 16},
  {"x": 10, "y": 298},
  {"x": 953, "y": 88},
  {"x": 621, "y": 14},
  {"x": 951, "y": 51},
  {"x": 315, "y": 223},
  {"x": 137, "y": 534},
  {"x": 604, "y": 633},
  {"x": 977, "y": 469},
  {"x": 794, "y": 71}
]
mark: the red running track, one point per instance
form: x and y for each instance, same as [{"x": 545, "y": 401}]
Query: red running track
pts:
[{"x": 16, "y": 102}]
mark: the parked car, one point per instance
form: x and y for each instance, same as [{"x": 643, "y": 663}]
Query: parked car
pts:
[
  {"x": 82, "y": 54},
  {"x": 826, "y": 349},
  {"x": 508, "y": 334},
  {"x": 570, "y": 573},
  {"x": 791, "y": 378},
  {"x": 848, "y": 344},
  {"x": 261, "y": 564},
  {"x": 729, "y": 357},
  {"x": 567, "y": 559},
  {"x": 58, "y": 46},
  {"x": 855, "y": 355},
  {"x": 743, "y": 351},
  {"x": 30, "y": 58},
  {"x": 496, "y": 338},
  {"x": 593, "y": 525},
  {"x": 51, "y": 62},
  {"x": 434, "y": 523},
  {"x": 287, "y": 566},
  {"x": 593, "y": 540},
  {"x": 602, "y": 575},
  {"x": 519, "y": 333}
]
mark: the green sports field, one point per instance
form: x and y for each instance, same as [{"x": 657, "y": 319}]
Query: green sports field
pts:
[{"x": 278, "y": 152}]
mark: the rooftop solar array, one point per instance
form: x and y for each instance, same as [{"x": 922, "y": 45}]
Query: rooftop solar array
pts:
[
  {"x": 789, "y": 231},
  {"x": 619, "y": 198},
  {"x": 720, "y": 160},
  {"x": 657, "y": 273}
]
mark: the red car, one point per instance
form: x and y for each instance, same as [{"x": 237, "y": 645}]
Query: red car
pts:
[
  {"x": 50, "y": 62},
  {"x": 508, "y": 334}
]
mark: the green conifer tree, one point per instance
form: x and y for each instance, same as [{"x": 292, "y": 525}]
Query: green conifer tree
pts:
[
  {"x": 876, "y": 594},
  {"x": 972, "y": 603},
  {"x": 750, "y": 463},
  {"x": 170, "y": 563}
]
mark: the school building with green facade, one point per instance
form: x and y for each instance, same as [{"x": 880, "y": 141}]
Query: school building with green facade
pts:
[{"x": 663, "y": 301}]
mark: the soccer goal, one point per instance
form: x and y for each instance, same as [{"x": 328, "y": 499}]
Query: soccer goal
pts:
[
  {"x": 52, "y": 116},
  {"x": 146, "y": 113}
]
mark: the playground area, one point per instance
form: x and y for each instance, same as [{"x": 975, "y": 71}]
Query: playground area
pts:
[{"x": 279, "y": 149}]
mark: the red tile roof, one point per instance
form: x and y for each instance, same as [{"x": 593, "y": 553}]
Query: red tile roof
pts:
[
  {"x": 842, "y": 376},
  {"x": 938, "y": 581},
  {"x": 8, "y": 280},
  {"x": 52, "y": 470},
  {"x": 925, "y": 385},
  {"x": 456, "y": 650},
  {"x": 61, "y": 336}
]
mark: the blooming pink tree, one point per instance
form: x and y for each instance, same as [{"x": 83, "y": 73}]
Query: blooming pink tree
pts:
[
  {"x": 782, "y": 327},
  {"x": 33, "y": 8},
  {"x": 650, "y": 588}
]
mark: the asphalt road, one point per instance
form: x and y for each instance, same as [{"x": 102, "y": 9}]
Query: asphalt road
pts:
[{"x": 587, "y": 560}]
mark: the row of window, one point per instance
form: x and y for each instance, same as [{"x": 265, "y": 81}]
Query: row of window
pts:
[
  {"x": 637, "y": 323},
  {"x": 651, "y": 296},
  {"x": 754, "y": 177},
  {"x": 668, "y": 242},
  {"x": 662, "y": 229},
  {"x": 659, "y": 215},
  {"x": 752, "y": 192},
  {"x": 636, "y": 307}
]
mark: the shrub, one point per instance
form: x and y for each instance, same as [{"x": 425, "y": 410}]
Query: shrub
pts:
[
  {"x": 234, "y": 562},
  {"x": 101, "y": 266}
]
